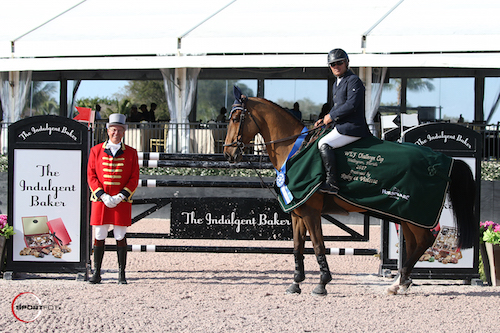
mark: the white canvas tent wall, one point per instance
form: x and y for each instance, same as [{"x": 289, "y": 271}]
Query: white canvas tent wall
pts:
[{"x": 66, "y": 35}]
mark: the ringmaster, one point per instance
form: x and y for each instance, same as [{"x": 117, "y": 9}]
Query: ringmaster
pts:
[{"x": 112, "y": 175}]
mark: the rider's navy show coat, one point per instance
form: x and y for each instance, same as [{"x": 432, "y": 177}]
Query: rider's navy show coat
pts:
[{"x": 348, "y": 111}]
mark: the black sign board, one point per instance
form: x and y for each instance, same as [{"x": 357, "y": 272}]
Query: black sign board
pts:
[
  {"x": 459, "y": 142},
  {"x": 451, "y": 139},
  {"x": 229, "y": 218},
  {"x": 48, "y": 195}
]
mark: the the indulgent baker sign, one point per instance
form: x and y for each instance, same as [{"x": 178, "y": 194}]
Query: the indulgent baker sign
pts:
[
  {"x": 444, "y": 257},
  {"x": 230, "y": 218},
  {"x": 48, "y": 194}
]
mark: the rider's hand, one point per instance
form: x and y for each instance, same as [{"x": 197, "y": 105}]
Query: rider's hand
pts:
[{"x": 327, "y": 119}]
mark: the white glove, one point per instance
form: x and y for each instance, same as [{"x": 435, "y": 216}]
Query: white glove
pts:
[
  {"x": 108, "y": 200},
  {"x": 117, "y": 198}
]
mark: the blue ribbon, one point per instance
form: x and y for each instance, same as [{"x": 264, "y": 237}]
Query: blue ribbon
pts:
[{"x": 281, "y": 174}]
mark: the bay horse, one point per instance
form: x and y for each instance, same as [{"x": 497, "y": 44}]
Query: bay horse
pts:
[{"x": 279, "y": 130}]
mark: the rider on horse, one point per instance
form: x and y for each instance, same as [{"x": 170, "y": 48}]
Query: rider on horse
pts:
[{"x": 347, "y": 115}]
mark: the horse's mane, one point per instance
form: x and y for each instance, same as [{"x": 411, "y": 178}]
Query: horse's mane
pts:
[{"x": 288, "y": 114}]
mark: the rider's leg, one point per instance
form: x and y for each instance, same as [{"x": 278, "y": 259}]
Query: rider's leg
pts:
[
  {"x": 326, "y": 146},
  {"x": 328, "y": 156}
]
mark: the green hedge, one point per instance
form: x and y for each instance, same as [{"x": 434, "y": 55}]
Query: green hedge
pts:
[
  {"x": 4, "y": 166},
  {"x": 207, "y": 172},
  {"x": 490, "y": 170}
]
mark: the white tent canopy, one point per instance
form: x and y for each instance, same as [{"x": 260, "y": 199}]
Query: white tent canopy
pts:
[
  {"x": 97, "y": 34},
  {"x": 102, "y": 35}
]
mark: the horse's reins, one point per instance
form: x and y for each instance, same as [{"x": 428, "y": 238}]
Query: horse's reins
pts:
[{"x": 239, "y": 144}]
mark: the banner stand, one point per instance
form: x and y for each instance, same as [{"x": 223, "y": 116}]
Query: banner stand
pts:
[
  {"x": 48, "y": 197},
  {"x": 458, "y": 142}
]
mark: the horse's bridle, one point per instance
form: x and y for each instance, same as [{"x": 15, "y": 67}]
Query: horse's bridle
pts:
[
  {"x": 240, "y": 106},
  {"x": 240, "y": 144}
]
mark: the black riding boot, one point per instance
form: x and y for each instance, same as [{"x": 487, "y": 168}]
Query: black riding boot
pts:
[
  {"x": 326, "y": 276},
  {"x": 121, "y": 250},
  {"x": 328, "y": 156},
  {"x": 98, "y": 255}
]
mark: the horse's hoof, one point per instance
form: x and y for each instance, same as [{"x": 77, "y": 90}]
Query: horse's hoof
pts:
[
  {"x": 392, "y": 290},
  {"x": 320, "y": 290},
  {"x": 294, "y": 289}
]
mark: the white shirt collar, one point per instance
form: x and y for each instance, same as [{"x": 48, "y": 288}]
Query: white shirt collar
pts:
[{"x": 114, "y": 147}]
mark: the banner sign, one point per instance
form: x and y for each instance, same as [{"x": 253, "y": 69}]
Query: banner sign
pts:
[
  {"x": 48, "y": 200},
  {"x": 445, "y": 137},
  {"x": 443, "y": 259},
  {"x": 230, "y": 218}
]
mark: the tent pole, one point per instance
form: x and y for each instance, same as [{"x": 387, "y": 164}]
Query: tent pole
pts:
[{"x": 478, "y": 98}]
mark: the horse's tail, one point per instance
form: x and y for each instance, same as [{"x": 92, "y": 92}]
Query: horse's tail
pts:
[{"x": 462, "y": 195}]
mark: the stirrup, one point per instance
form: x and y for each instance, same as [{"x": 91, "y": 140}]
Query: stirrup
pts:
[{"x": 328, "y": 188}]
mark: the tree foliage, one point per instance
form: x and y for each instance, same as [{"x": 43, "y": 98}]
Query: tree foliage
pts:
[
  {"x": 418, "y": 84},
  {"x": 135, "y": 93},
  {"x": 42, "y": 101},
  {"x": 108, "y": 105},
  {"x": 413, "y": 84},
  {"x": 147, "y": 92},
  {"x": 215, "y": 94},
  {"x": 309, "y": 109}
]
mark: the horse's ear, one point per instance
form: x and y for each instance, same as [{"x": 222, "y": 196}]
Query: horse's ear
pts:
[
  {"x": 237, "y": 93},
  {"x": 239, "y": 97}
]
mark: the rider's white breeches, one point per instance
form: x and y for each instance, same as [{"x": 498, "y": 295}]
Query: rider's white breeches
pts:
[{"x": 335, "y": 140}]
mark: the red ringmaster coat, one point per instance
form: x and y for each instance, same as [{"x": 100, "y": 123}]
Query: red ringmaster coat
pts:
[{"x": 112, "y": 175}]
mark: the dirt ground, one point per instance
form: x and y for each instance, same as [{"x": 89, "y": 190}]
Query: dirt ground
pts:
[{"x": 208, "y": 292}]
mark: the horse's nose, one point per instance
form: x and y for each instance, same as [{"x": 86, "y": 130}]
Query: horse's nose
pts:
[{"x": 228, "y": 157}]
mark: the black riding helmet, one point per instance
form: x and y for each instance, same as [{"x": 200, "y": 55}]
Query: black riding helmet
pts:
[{"x": 336, "y": 55}]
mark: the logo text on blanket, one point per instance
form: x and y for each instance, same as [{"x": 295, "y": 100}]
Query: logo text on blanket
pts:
[{"x": 395, "y": 193}]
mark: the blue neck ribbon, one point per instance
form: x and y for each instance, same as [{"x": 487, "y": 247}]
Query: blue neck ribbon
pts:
[{"x": 281, "y": 174}]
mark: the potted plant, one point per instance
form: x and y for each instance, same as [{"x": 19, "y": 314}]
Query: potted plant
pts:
[
  {"x": 490, "y": 236},
  {"x": 5, "y": 232}
]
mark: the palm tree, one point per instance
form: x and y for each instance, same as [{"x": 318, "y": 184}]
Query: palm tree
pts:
[
  {"x": 123, "y": 106},
  {"x": 41, "y": 100},
  {"x": 48, "y": 107},
  {"x": 414, "y": 84}
]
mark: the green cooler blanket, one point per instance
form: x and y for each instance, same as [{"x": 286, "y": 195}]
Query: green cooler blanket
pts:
[{"x": 404, "y": 181}]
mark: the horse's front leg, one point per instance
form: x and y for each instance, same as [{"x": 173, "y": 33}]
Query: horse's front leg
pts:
[
  {"x": 325, "y": 275},
  {"x": 312, "y": 220},
  {"x": 299, "y": 239}
]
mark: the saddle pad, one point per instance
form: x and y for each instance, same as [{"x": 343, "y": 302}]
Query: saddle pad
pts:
[
  {"x": 34, "y": 225},
  {"x": 403, "y": 181}
]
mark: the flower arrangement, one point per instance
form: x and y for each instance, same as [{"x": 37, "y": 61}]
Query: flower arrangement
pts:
[
  {"x": 5, "y": 229},
  {"x": 490, "y": 232}
]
